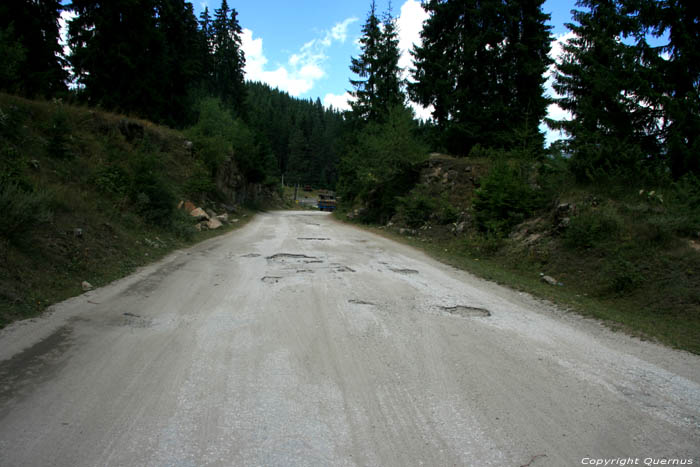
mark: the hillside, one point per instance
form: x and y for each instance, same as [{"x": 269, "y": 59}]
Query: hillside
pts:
[
  {"x": 87, "y": 195},
  {"x": 628, "y": 255}
]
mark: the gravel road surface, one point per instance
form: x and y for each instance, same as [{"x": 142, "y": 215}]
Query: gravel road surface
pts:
[{"x": 298, "y": 340}]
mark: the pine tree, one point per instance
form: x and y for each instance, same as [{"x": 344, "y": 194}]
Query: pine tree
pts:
[
  {"x": 365, "y": 66},
  {"x": 378, "y": 64},
  {"x": 32, "y": 55},
  {"x": 480, "y": 66},
  {"x": 228, "y": 58},
  {"x": 671, "y": 75},
  {"x": 114, "y": 47},
  {"x": 611, "y": 129}
]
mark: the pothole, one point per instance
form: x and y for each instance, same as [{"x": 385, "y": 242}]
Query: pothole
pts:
[
  {"x": 466, "y": 311},
  {"x": 283, "y": 256},
  {"x": 136, "y": 321},
  {"x": 304, "y": 271},
  {"x": 250, "y": 255},
  {"x": 270, "y": 279},
  {"x": 313, "y": 238},
  {"x": 341, "y": 268},
  {"x": 360, "y": 302},
  {"x": 403, "y": 271}
]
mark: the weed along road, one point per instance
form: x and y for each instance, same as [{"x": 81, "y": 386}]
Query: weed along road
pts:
[{"x": 299, "y": 340}]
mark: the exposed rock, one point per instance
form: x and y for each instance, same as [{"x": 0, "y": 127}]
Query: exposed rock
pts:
[
  {"x": 187, "y": 205},
  {"x": 214, "y": 223},
  {"x": 86, "y": 286},
  {"x": 210, "y": 213},
  {"x": 458, "y": 227},
  {"x": 223, "y": 218},
  {"x": 199, "y": 214},
  {"x": 549, "y": 280}
]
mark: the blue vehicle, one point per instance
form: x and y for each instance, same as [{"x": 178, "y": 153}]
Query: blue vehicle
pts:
[{"x": 326, "y": 201}]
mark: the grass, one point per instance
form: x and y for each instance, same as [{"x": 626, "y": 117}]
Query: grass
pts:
[{"x": 92, "y": 198}]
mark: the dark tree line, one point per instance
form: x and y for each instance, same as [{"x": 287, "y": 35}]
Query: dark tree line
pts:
[
  {"x": 302, "y": 134},
  {"x": 153, "y": 57}
]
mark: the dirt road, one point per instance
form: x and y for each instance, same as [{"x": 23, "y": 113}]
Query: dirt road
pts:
[{"x": 298, "y": 340}]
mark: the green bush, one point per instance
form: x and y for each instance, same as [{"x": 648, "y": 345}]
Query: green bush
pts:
[
  {"x": 22, "y": 209},
  {"x": 416, "y": 208},
  {"x": 592, "y": 227},
  {"x": 113, "y": 180},
  {"x": 624, "y": 275},
  {"x": 684, "y": 205},
  {"x": 504, "y": 199}
]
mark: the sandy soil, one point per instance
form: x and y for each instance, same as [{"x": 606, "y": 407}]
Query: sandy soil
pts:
[{"x": 298, "y": 340}]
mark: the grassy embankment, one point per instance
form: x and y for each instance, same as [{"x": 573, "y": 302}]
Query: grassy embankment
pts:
[
  {"x": 89, "y": 196},
  {"x": 627, "y": 258}
]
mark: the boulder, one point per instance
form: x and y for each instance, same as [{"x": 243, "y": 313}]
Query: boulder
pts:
[
  {"x": 549, "y": 280},
  {"x": 214, "y": 223},
  {"x": 86, "y": 286},
  {"x": 223, "y": 218},
  {"x": 199, "y": 214},
  {"x": 189, "y": 206},
  {"x": 211, "y": 214}
]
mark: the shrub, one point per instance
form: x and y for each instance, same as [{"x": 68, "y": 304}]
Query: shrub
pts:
[
  {"x": 22, "y": 209},
  {"x": 624, "y": 275},
  {"x": 684, "y": 205},
  {"x": 592, "y": 227},
  {"x": 416, "y": 208},
  {"x": 504, "y": 199},
  {"x": 113, "y": 180}
]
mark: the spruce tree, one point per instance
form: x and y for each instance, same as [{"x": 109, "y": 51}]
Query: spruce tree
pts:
[
  {"x": 228, "y": 58},
  {"x": 611, "y": 129},
  {"x": 366, "y": 67},
  {"x": 29, "y": 35},
  {"x": 671, "y": 75},
  {"x": 480, "y": 66},
  {"x": 378, "y": 64}
]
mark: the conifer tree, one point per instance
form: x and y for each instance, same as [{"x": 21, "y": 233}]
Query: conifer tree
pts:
[
  {"x": 671, "y": 74},
  {"x": 379, "y": 86},
  {"x": 29, "y": 36},
  {"x": 611, "y": 129},
  {"x": 480, "y": 66},
  {"x": 228, "y": 58}
]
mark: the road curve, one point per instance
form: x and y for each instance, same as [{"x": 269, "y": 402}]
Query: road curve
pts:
[{"x": 298, "y": 340}]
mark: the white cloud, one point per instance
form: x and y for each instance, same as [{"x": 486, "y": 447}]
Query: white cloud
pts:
[
  {"x": 409, "y": 25},
  {"x": 337, "y": 101},
  {"x": 302, "y": 70},
  {"x": 339, "y": 32},
  {"x": 555, "y": 112}
]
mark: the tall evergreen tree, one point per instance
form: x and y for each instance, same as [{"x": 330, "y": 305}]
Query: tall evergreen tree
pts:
[
  {"x": 114, "y": 46},
  {"x": 379, "y": 86},
  {"x": 480, "y": 67},
  {"x": 671, "y": 75},
  {"x": 613, "y": 127},
  {"x": 29, "y": 37},
  {"x": 228, "y": 58}
]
